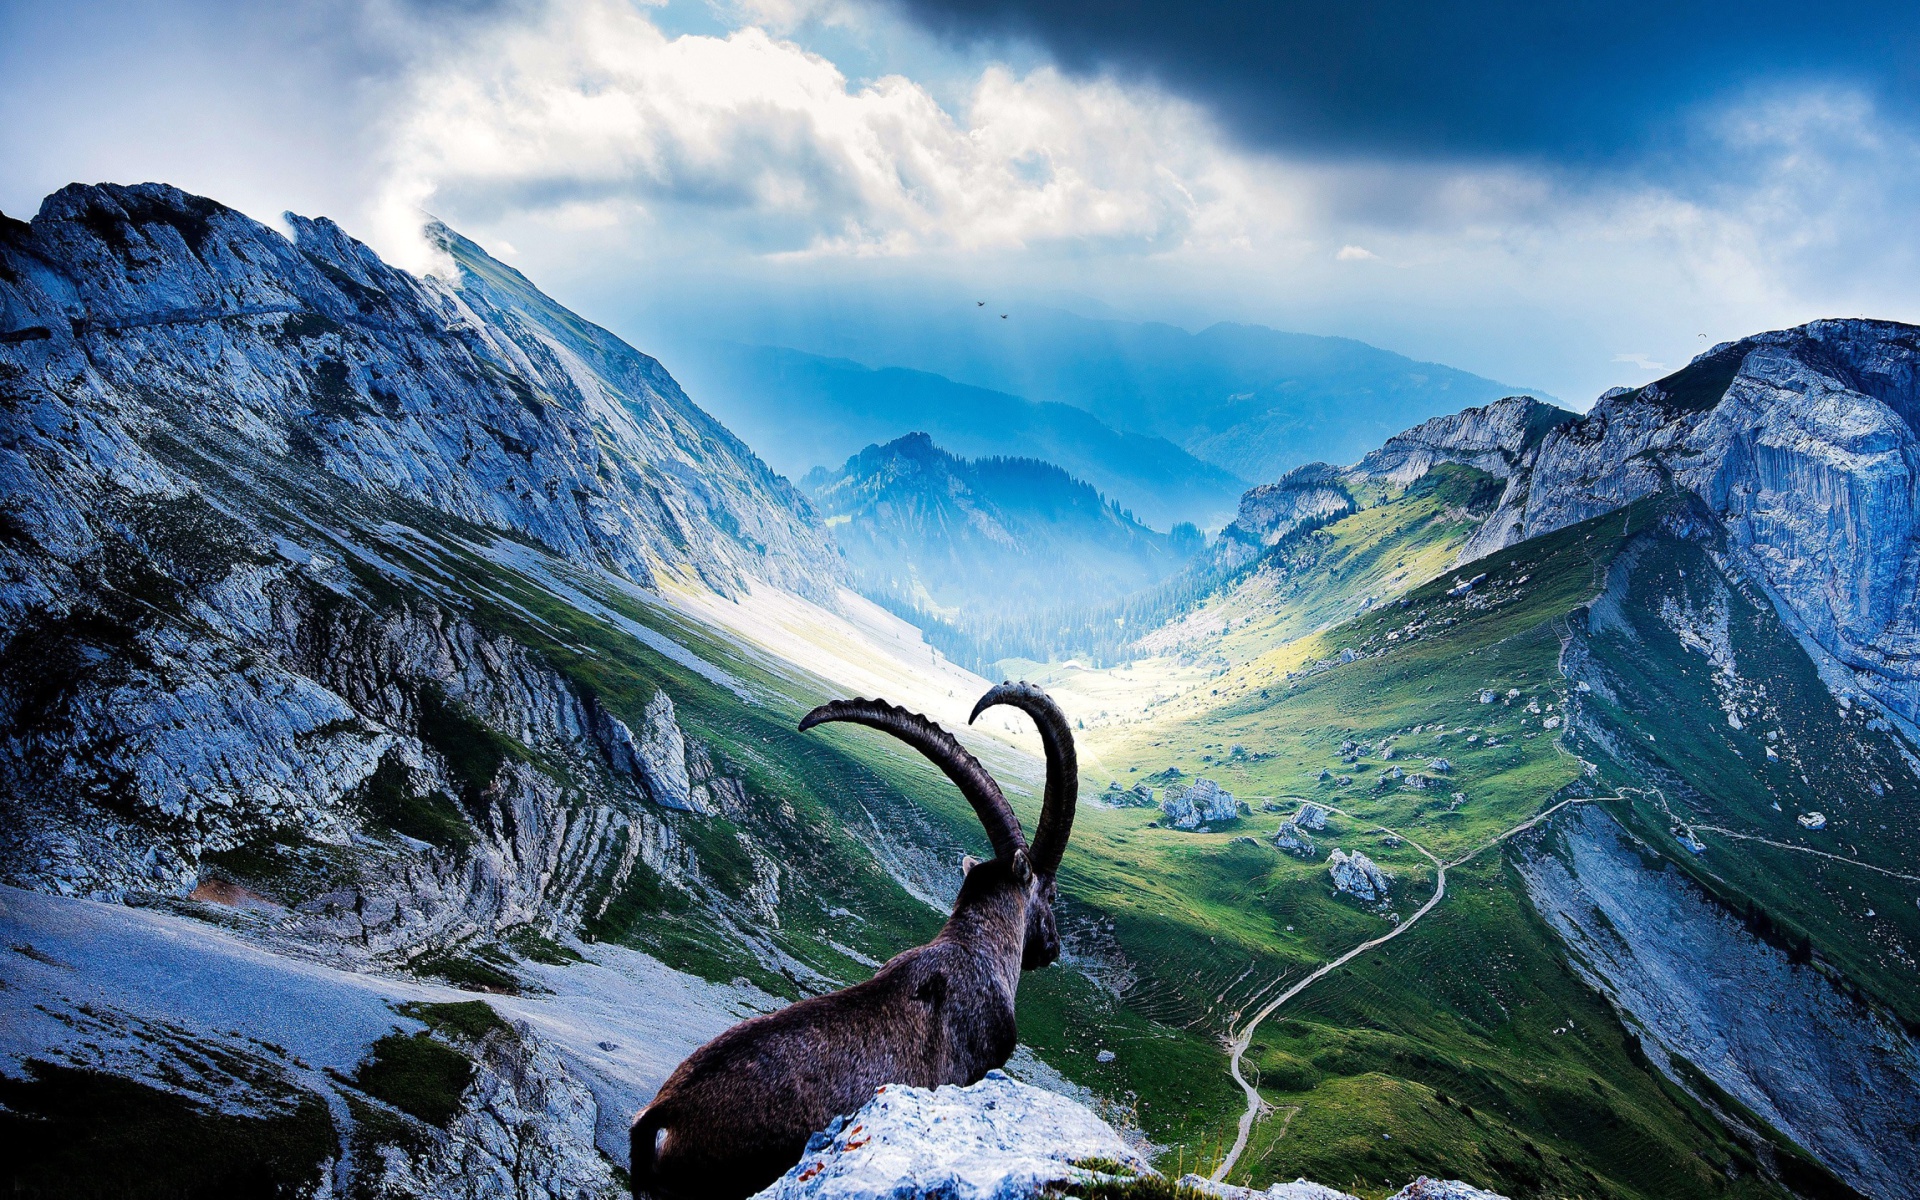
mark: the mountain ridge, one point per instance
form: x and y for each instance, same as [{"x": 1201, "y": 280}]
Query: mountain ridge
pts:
[
  {"x": 930, "y": 530},
  {"x": 1257, "y": 401},
  {"x": 814, "y": 411}
]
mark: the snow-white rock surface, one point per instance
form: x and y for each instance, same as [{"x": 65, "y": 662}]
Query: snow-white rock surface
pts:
[
  {"x": 1299, "y": 1189},
  {"x": 1839, "y": 1078},
  {"x": 996, "y": 1140}
]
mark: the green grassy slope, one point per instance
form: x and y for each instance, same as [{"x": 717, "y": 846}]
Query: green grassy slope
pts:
[
  {"x": 1321, "y": 577},
  {"x": 1737, "y": 663},
  {"x": 1468, "y": 1047}
]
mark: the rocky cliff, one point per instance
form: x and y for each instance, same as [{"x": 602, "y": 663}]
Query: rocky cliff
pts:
[
  {"x": 235, "y": 465},
  {"x": 1837, "y": 1077},
  {"x": 1805, "y": 445},
  {"x": 1501, "y": 439}
]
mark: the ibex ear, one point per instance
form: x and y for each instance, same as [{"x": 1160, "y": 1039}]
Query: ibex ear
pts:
[
  {"x": 1022, "y": 869},
  {"x": 967, "y": 863}
]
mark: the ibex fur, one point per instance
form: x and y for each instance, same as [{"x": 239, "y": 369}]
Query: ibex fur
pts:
[{"x": 738, "y": 1112}]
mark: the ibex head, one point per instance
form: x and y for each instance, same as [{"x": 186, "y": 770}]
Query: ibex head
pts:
[{"x": 1033, "y": 867}]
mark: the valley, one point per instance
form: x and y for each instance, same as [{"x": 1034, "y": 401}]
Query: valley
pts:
[{"x": 380, "y": 646}]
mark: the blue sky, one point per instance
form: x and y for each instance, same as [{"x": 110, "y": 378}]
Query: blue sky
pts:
[{"x": 1565, "y": 197}]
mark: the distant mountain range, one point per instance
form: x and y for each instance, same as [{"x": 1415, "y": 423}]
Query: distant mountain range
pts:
[
  {"x": 802, "y": 411},
  {"x": 1252, "y": 400},
  {"x": 989, "y": 537}
]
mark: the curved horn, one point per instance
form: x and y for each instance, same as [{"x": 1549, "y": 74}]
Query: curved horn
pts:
[
  {"x": 1003, "y": 828},
  {"x": 1063, "y": 768}
]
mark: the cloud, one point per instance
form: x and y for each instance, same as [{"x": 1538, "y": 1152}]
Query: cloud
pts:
[
  {"x": 632, "y": 151},
  {"x": 1498, "y": 78},
  {"x": 592, "y": 108},
  {"x": 605, "y": 145}
]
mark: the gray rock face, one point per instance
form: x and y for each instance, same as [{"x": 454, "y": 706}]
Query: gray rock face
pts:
[
  {"x": 1311, "y": 816},
  {"x": 233, "y": 468},
  {"x": 525, "y": 1131},
  {"x": 1203, "y": 803},
  {"x": 1305, "y": 495},
  {"x": 1840, "y": 1079},
  {"x": 1358, "y": 876},
  {"x": 1803, "y": 443}
]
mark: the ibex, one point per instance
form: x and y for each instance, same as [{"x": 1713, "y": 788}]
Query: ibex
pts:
[{"x": 738, "y": 1112}]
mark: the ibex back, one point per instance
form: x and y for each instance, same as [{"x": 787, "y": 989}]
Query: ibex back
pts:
[{"x": 738, "y": 1112}]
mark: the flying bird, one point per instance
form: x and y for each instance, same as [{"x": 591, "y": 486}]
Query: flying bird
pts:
[
  {"x": 1003, "y": 316},
  {"x": 979, "y": 303}
]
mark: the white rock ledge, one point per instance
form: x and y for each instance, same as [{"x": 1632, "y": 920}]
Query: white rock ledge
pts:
[{"x": 997, "y": 1140}]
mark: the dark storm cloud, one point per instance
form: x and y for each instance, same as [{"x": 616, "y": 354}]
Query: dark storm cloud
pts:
[{"x": 1567, "y": 81}]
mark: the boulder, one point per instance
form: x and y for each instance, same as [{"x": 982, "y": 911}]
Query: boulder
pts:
[
  {"x": 996, "y": 1140},
  {"x": 1203, "y": 803},
  {"x": 1358, "y": 876},
  {"x": 1311, "y": 816},
  {"x": 1422, "y": 1188},
  {"x": 1294, "y": 840}
]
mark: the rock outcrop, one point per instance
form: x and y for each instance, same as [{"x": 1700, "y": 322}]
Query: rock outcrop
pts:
[
  {"x": 1309, "y": 495},
  {"x": 1294, "y": 840},
  {"x": 1805, "y": 446},
  {"x": 1358, "y": 876},
  {"x": 1422, "y": 1188},
  {"x": 1204, "y": 803},
  {"x": 1497, "y": 438},
  {"x": 1001, "y": 1140}
]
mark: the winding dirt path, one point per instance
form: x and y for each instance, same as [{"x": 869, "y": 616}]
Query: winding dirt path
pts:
[
  {"x": 1241, "y": 1039},
  {"x": 1766, "y": 841}
]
